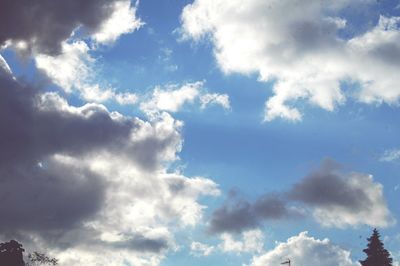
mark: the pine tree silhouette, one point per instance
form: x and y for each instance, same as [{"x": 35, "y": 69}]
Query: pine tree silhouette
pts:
[{"x": 377, "y": 255}]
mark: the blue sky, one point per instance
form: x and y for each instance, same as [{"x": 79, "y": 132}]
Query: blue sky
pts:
[{"x": 253, "y": 99}]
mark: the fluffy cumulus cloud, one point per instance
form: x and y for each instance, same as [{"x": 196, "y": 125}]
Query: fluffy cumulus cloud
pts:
[
  {"x": 172, "y": 98},
  {"x": 305, "y": 53},
  {"x": 73, "y": 69},
  {"x": 252, "y": 241},
  {"x": 121, "y": 21},
  {"x": 83, "y": 181},
  {"x": 68, "y": 69},
  {"x": 343, "y": 199},
  {"x": 305, "y": 250}
]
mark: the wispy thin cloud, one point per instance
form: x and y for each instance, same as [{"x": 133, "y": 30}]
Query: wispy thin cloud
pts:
[{"x": 390, "y": 155}]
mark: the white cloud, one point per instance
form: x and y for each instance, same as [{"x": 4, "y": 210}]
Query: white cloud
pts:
[
  {"x": 215, "y": 99},
  {"x": 74, "y": 69},
  {"x": 252, "y": 241},
  {"x": 95, "y": 93},
  {"x": 380, "y": 48},
  {"x": 374, "y": 212},
  {"x": 199, "y": 249},
  {"x": 390, "y": 155},
  {"x": 305, "y": 250},
  {"x": 174, "y": 97},
  {"x": 122, "y": 21},
  {"x": 69, "y": 69},
  {"x": 303, "y": 53},
  {"x": 125, "y": 98}
]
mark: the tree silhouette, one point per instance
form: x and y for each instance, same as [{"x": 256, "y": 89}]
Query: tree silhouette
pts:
[
  {"x": 11, "y": 254},
  {"x": 377, "y": 255},
  {"x": 37, "y": 258}
]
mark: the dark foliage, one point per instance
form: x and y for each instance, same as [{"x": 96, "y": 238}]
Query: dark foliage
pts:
[
  {"x": 377, "y": 255},
  {"x": 37, "y": 258},
  {"x": 11, "y": 254}
]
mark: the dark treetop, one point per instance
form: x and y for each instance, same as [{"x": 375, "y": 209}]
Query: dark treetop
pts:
[{"x": 377, "y": 255}]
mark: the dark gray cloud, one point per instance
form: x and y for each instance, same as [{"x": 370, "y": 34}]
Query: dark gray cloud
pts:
[
  {"x": 54, "y": 197},
  {"x": 238, "y": 214},
  {"x": 45, "y": 195},
  {"x": 324, "y": 188},
  {"x": 29, "y": 134},
  {"x": 271, "y": 206},
  {"x": 327, "y": 186},
  {"x": 387, "y": 52},
  {"x": 142, "y": 243},
  {"x": 51, "y": 194},
  {"x": 44, "y": 24},
  {"x": 311, "y": 35},
  {"x": 233, "y": 217}
]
